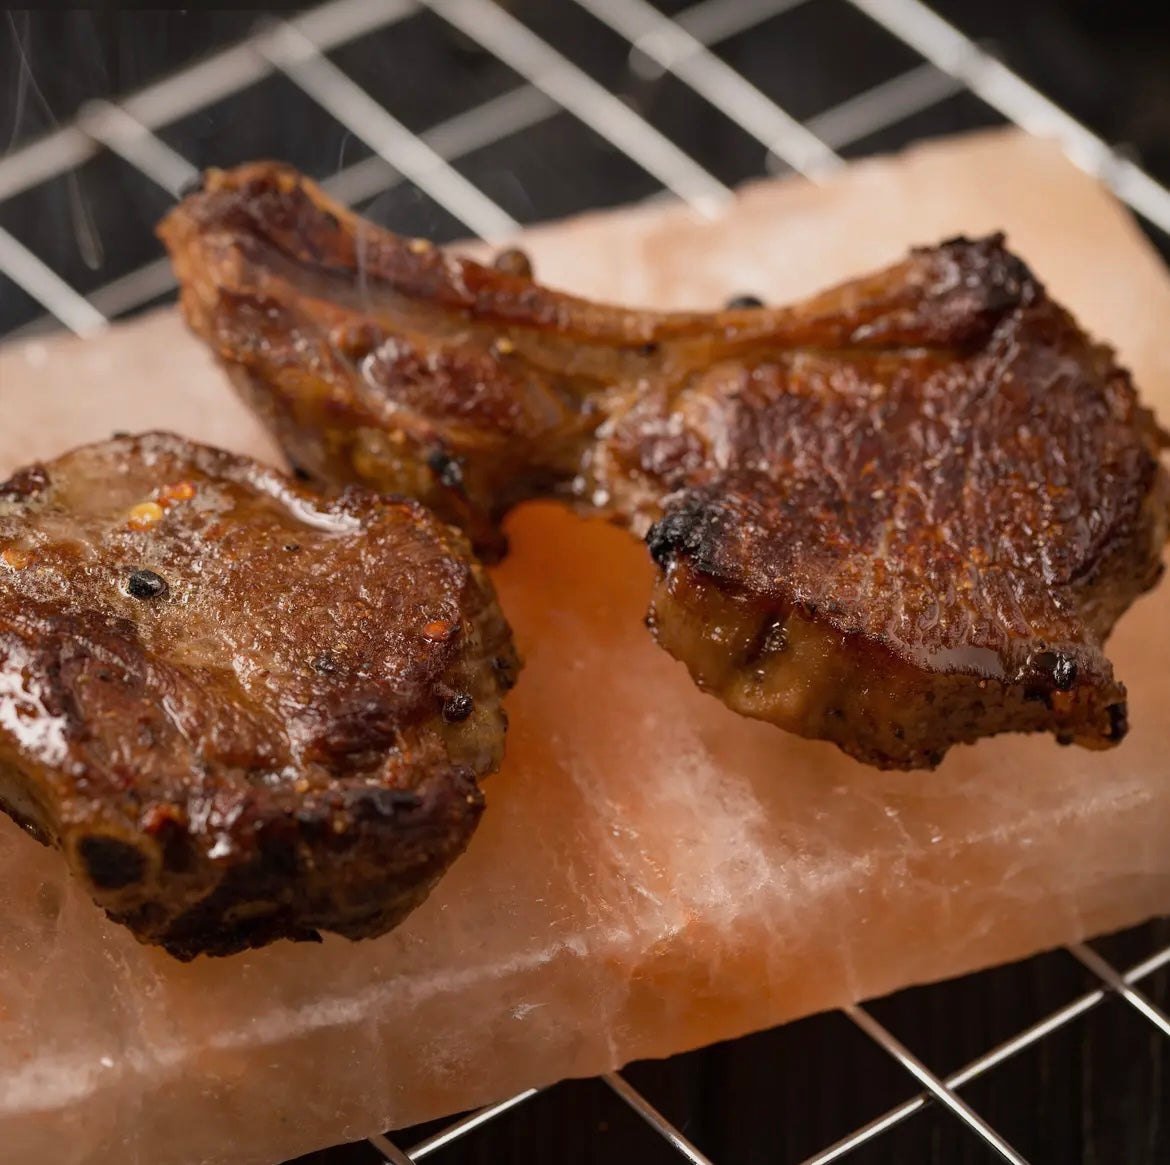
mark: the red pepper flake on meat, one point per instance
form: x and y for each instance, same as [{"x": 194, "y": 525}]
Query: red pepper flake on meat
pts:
[
  {"x": 180, "y": 491},
  {"x": 15, "y": 558},
  {"x": 144, "y": 515},
  {"x": 149, "y": 513},
  {"x": 440, "y": 630}
]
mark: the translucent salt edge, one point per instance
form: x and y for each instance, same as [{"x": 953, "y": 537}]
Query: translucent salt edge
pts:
[{"x": 653, "y": 873}]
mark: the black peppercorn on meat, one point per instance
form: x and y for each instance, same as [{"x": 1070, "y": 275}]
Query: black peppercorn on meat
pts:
[
  {"x": 901, "y": 515},
  {"x": 241, "y": 712}
]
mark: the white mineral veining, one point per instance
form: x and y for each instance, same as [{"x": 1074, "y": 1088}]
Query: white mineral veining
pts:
[{"x": 652, "y": 872}]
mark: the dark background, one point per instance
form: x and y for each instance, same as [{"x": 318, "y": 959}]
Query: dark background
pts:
[
  {"x": 1097, "y": 1091},
  {"x": 1105, "y": 62}
]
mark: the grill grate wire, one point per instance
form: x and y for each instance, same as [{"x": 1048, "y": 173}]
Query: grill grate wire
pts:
[{"x": 682, "y": 45}]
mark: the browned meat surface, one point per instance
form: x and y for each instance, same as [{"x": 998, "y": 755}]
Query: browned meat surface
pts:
[
  {"x": 901, "y": 515},
  {"x": 242, "y": 713}
]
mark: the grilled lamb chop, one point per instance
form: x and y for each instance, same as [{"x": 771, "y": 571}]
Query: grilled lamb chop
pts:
[
  {"x": 242, "y": 712},
  {"x": 901, "y": 515}
]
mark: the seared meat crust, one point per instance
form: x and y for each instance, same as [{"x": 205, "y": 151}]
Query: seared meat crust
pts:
[
  {"x": 243, "y": 713},
  {"x": 901, "y": 515}
]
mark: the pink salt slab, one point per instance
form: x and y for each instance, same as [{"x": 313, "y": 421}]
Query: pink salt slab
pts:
[{"x": 653, "y": 872}]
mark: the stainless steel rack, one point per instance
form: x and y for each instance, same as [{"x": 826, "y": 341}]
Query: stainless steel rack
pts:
[{"x": 683, "y": 45}]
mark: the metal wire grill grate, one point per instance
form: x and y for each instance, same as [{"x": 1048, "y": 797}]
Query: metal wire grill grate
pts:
[{"x": 441, "y": 166}]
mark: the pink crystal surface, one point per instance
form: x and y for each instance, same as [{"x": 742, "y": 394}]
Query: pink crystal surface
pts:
[{"x": 653, "y": 872}]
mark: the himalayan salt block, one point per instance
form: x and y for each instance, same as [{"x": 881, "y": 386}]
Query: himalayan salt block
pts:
[{"x": 653, "y": 872}]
